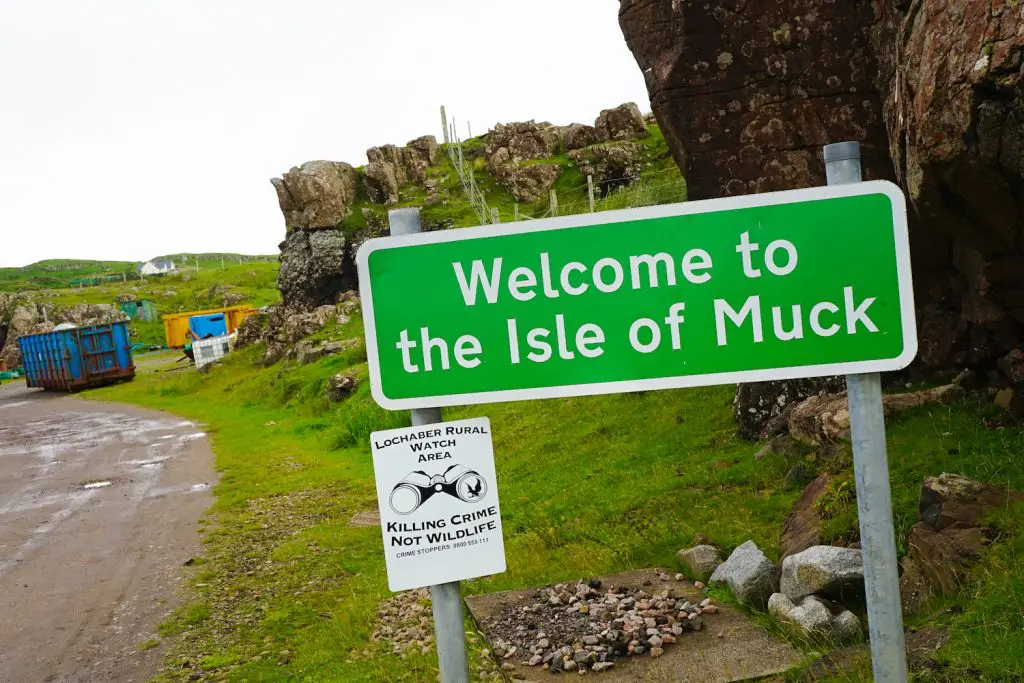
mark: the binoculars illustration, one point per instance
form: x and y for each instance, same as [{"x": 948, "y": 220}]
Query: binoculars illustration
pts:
[{"x": 417, "y": 487}]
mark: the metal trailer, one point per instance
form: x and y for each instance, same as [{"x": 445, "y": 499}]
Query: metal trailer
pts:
[{"x": 77, "y": 358}]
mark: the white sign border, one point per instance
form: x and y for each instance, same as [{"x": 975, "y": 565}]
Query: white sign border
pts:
[{"x": 904, "y": 279}]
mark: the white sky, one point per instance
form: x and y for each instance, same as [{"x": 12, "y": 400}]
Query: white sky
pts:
[{"x": 132, "y": 128}]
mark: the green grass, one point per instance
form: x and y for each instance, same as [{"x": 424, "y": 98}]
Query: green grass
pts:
[{"x": 588, "y": 486}]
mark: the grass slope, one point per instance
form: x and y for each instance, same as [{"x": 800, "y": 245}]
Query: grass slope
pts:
[{"x": 288, "y": 592}]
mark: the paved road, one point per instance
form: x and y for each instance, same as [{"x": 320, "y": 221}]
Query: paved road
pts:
[{"x": 98, "y": 511}]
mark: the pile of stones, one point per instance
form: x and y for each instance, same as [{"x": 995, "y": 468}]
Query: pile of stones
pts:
[{"x": 576, "y": 627}]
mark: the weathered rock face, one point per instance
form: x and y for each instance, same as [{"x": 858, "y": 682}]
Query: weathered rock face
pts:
[
  {"x": 527, "y": 183},
  {"x": 315, "y": 269},
  {"x": 748, "y": 92},
  {"x": 316, "y": 194},
  {"x": 252, "y": 330},
  {"x": 624, "y": 122},
  {"x": 953, "y": 103},
  {"x": 950, "y": 537},
  {"x": 341, "y": 386},
  {"x": 286, "y": 328}
]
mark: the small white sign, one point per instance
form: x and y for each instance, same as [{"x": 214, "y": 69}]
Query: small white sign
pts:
[{"x": 438, "y": 501}]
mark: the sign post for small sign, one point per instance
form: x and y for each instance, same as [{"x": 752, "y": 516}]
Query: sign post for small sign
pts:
[{"x": 445, "y": 598}]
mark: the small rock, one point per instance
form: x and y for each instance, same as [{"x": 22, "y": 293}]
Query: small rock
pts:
[
  {"x": 534, "y": 660},
  {"x": 679, "y": 577},
  {"x": 700, "y": 560},
  {"x": 602, "y": 666},
  {"x": 699, "y": 585},
  {"x": 656, "y": 652},
  {"x": 543, "y": 643}
]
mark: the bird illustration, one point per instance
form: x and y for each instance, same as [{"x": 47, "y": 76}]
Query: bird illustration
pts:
[{"x": 475, "y": 492}]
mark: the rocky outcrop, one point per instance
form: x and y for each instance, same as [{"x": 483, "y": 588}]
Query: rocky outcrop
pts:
[
  {"x": 381, "y": 183},
  {"x": 576, "y": 136},
  {"x": 950, "y": 537},
  {"x": 252, "y": 329},
  {"x": 285, "y": 328},
  {"x": 307, "y": 351},
  {"x": 747, "y": 93},
  {"x": 521, "y": 140},
  {"x": 750, "y": 575},
  {"x": 315, "y": 269},
  {"x": 610, "y": 164},
  {"x": 624, "y": 122},
  {"x": 528, "y": 183},
  {"x": 316, "y": 194},
  {"x": 815, "y": 616}
]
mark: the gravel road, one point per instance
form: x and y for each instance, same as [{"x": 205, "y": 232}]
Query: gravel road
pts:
[{"x": 98, "y": 511}]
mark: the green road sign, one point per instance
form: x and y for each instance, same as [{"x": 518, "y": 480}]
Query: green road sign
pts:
[{"x": 773, "y": 286}]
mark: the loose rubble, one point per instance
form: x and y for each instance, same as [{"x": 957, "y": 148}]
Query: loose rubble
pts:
[{"x": 575, "y": 627}]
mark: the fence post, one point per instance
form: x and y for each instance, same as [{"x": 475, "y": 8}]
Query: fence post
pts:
[
  {"x": 590, "y": 191},
  {"x": 449, "y": 629},
  {"x": 515, "y": 212},
  {"x": 871, "y": 471},
  {"x": 495, "y": 218},
  {"x": 553, "y": 197},
  {"x": 444, "y": 126}
]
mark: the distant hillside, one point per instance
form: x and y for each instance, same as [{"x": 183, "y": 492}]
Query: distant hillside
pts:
[{"x": 62, "y": 273}]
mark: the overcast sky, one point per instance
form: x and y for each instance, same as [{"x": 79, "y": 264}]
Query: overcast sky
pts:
[{"x": 132, "y": 128}]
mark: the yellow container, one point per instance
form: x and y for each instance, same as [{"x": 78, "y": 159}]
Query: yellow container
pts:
[{"x": 176, "y": 324}]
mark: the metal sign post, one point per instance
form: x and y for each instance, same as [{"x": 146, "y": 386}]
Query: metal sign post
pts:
[
  {"x": 446, "y": 598},
  {"x": 871, "y": 469}
]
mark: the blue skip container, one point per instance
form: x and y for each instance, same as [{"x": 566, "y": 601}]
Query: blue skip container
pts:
[
  {"x": 77, "y": 358},
  {"x": 210, "y": 325}
]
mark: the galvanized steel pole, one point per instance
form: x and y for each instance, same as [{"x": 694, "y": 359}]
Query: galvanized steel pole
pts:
[
  {"x": 449, "y": 632},
  {"x": 874, "y": 498}
]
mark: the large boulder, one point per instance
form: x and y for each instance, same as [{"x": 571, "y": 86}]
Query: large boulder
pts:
[
  {"x": 316, "y": 194},
  {"x": 949, "y": 539},
  {"x": 315, "y": 269},
  {"x": 823, "y": 570},
  {"x": 814, "y": 616},
  {"x": 750, "y": 575},
  {"x": 624, "y": 122},
  {"x": 747, "y": 94}
]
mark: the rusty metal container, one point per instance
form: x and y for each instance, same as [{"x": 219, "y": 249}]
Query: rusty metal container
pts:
[{"x": 77, "y": 358}]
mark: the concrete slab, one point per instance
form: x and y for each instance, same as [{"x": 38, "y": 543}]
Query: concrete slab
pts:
[{"x": 731, "y": 647}]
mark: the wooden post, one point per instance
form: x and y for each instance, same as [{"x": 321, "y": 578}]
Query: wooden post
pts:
[
  {"x": 590, "y": 191},
  {"x": 515, "y": 212},
  {"x": 495, "y": 218},
  {"x": 469, "y": 129},
  {"x": 553, "y": 197},
  {"x": 444, "y": 125}
]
